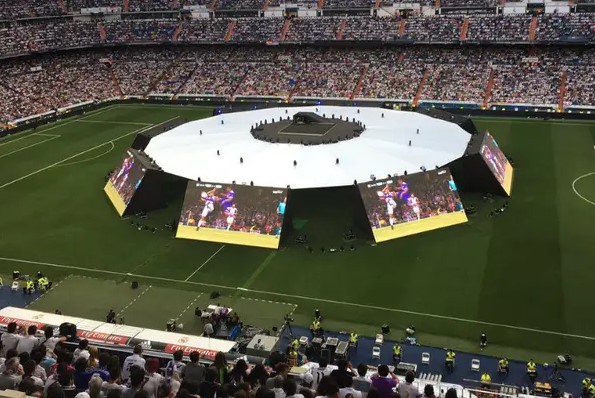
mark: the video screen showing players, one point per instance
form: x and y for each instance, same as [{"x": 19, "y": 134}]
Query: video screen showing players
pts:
[
  {"x": 231, "y": 213},
  {"x": 124, "y": 181},
  {"x": 411, "y": 204},
  {"x": 497, "y": 162}
]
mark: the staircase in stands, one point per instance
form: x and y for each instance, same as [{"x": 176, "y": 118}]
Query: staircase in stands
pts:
[
  {"x": 488, "y": 93},
  {"x": 285, "y": 29},
  {"x": 402, "y": 25},
  {"x": 421, "y": 86},
  {"x": 266, "y": 4},
  {"x": 126, "y": 6},
  {"x": 341, "y": 29},
  {"x": 176, "y": 34},
  {"x": 533, "y": 28},
  {"x": 464, "y": 29},
  {"x": 358, "y": 86},
  {"x": 62, "y": 7},
  {"x": 230, "y": 28},
  {"x": 161, "y": 76},
  {"x": 237, "y": 86},
  {"x": 292, "y": 92},
  {"x": 183, "y": 85},
  {"x": 115, "y": 80},
  {"x": 563, "y": 88},
  {"x": 102, "y": 32}
]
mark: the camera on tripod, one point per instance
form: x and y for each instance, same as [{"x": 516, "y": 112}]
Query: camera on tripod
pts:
[{"x": 288, "y": 318}]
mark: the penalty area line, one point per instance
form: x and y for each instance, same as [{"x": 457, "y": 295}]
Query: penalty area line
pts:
[
  {"x": 304, "y": 298},
  {"x": 30, "y": 146},
  {"x": 89, "y": 159}
]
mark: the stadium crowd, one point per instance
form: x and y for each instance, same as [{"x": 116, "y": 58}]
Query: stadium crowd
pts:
[
  {"x": 46, "y": 367},
  {"x": 46, "y": 82}
]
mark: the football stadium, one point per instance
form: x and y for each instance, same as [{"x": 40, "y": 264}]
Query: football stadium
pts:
[{"x": 310, "y": 198}]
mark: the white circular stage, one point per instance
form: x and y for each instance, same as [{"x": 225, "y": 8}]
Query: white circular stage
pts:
[{"x": 382, "y": 149}]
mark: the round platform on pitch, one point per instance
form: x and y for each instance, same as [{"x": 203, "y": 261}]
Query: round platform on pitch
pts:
[{"x": 211, "y": 148}]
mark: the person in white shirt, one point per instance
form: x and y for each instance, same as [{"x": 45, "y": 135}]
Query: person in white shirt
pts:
[
  {"x": 278, "y": 387},
  {"x": 29, "y": 342},
  {"x": 10, "y": 339},
  {"x": 134, "y": 359},
  {"x": 348, "y": 389},
  {"x": 49, "y": 341},
  {"x": 407, "y": 389},
  {"x": 82, "y": 350},
  {"x": 153, "y": 379},
  {"x": 290, "y": 388},
  {"x": 319, "y": 372},
  {"x": 29, "y": 369},
  {"x": 362, "y": 383}
]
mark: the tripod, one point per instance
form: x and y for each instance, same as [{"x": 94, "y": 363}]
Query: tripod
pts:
[
  {"x": 556, "y": 375},
  {"x": 288, "y": 326}
]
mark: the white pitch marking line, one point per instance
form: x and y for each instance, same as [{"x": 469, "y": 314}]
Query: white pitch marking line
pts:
[
  {"x": 112, "y": 122},
  {"x": 295, "y": 296},
  {"x": 133, "y": 301},
  {"x": 46, "y": 135},
  {"x": 29, "y": 146},
  {"x": 577, "y": 193},
  {"x": 205, "y": 263},
  {"x": 47, "y": 291},
  {"x": 88, "y": 160},
  {"x": 80, "y": 153},
  {"x": 189, "y": 305}
]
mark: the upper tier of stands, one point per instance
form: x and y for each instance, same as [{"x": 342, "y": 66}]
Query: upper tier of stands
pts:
[
  {"x": 38, "y": 8},
  {"x": 50, "y": 34}
]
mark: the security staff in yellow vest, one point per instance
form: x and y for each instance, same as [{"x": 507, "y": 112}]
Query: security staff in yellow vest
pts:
[
  {"x": 592, "y": 390},
  {"x": 43, "y": 283},
  {"x": 486, "y": 380},
  {"x": 587, "y": 383},
  {"x": 292, "y": 357},
  {"x": 295, "y": 344},
  {"x": 353, "y": 339},
  {"x": 450, "y": 360},
  {"x": 503, "y": 366},
  {"x": 532, "y": 370},
  {"x": 29, "y": 286},
  {"x": 315, "y": 327},
  {"x": 397, "y": 352}
]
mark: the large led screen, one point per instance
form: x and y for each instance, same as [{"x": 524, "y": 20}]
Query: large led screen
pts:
[
  {"x": 231, "y": 213},
  {"x": 124, "y": 181},
  {"x": 411, "y": 204},
  {"x": 497, "y": 162}
]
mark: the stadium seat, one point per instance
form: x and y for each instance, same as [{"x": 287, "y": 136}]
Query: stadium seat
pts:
[
  {"x": 475, "y": 365},
  {"x": 425, "y": 358}
]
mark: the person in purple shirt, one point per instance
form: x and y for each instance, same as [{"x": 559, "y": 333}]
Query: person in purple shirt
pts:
[{"x": 384, "y": 381}]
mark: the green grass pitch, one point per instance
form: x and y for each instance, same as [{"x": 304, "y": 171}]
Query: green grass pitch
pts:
[{"x": 526, "y": 277}]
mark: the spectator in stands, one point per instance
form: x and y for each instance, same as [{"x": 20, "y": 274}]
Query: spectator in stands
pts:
[
  {"x": 348, "y": 389},
  {"x": 81, "y": 378},
  {"x": 342, "y": 374},
  {"x": 239, "y": 372},
  {"x": 28, "y": 342},
  {"x": 258, "y": 377},
  {"x": 328, "y": 388},
  {"x": 28, "y": 373},
  {"x": 210, "y": 388},
  {"x": 407, "y": 389},
  {"x": 451, "y": 393},
  {"x": 82, "y": 351},
  {"x": 113, "y": 383},
  {"x": 93, "y": 360},
  {"x": 55, "y": 391},
  {"x": 384, "y": 381},
  {"x": 137, "y": 377},
  {"x": 362, "y": 383},
  {"x": 278, "y": 387},
  {"x": 100, "y": 369},
  {"x": 306, "y": 387},
  {"x": 175, "y": 365},
  {"x": 193, "y": 371},
  {"x": 10, "y": 338},
  {"x": 10, "y": 378},
  {"x": 135, "y": 359},
  {"x": 220, "y": 367},
  {"x": 290, "y": 388},
  {"x": 429, "y": 391},
  {"x": 320, "y": 372},
  {"x": 37, "y": 355},
  {"x": 154, "y": 378}
]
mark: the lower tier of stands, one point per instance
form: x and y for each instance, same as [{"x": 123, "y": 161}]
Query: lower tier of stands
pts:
[{"x": 479, "y": 76}]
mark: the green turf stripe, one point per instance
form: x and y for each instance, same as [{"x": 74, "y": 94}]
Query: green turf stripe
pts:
[{"x": 259, "y": 270}]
